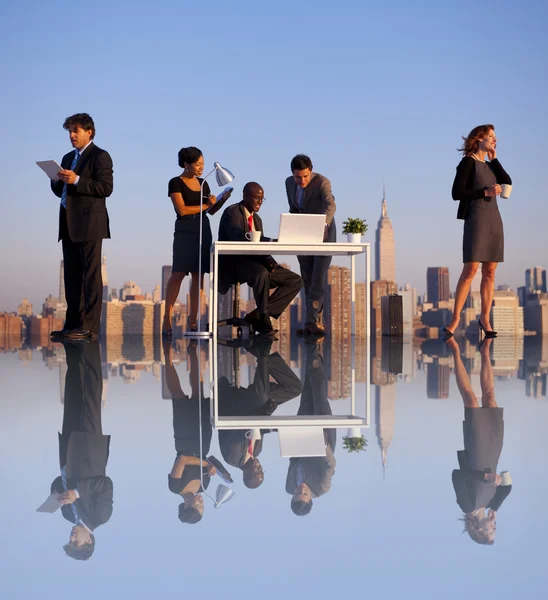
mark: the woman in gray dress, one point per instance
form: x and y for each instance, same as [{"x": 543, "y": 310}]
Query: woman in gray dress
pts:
[
  {"x": 478, "y": 486},
  {"x": 477, "y": 185}
]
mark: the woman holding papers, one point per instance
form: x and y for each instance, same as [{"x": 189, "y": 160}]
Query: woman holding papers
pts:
[{"x": 184, "y": 192}]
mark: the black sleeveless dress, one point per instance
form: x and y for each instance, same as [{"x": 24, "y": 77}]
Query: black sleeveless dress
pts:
[{"x": 187, "y": 231}]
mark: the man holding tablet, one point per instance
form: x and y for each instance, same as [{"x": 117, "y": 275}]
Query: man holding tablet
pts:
[
  {"x": 310, "y": 193},
  {"x": 83, "y": 185}
]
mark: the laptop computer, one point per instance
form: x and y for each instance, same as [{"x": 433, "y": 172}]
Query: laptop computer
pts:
[{"x": 297, "y": 228}]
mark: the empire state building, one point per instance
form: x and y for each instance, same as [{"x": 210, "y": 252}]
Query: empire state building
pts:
[{"x": 385, "y": 251}]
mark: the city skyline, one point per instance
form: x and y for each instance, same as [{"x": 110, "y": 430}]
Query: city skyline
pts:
[{"x": 406, "y": 136}]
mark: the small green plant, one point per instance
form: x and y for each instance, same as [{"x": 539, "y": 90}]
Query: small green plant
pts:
[
  {"x": 354, "y": 226},
  {"x": 354, "y": 444}
]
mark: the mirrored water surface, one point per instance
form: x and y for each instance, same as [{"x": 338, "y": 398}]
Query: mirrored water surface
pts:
[{"x": 239, "y": 468}]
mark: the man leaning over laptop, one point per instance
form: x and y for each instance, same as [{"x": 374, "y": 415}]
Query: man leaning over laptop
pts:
[
  {"x": 261, "y": 273},
  {"x": 310, "y": 193}
]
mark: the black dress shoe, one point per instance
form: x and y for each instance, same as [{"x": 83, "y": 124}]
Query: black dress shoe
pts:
[
  {"x": 77, "y": 333},
  {"x": 264, "y": 325},
  {"x": 59, "y": 333}
]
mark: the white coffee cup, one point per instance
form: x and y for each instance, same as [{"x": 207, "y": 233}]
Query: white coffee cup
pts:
[
  {"x": 505, "y": 478},
  {"x": 506, "y": 190},
  {"x": 253, "y": 236},
  {"x": 253, "y": 434}
]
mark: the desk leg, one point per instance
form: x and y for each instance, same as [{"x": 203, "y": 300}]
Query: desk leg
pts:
[
  {"x": 353, "y": 294},
  {"x": 214, "y": 300},
  {"x": 368, "y": 337},
  {"x": 212, "y": 277}
]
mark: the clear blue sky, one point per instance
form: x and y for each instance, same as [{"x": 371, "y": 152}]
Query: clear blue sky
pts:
[{"x": 372, "y": 92}]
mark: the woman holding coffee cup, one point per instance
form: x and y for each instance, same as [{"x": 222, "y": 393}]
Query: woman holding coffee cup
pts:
[
  {"x": 184, "y": 192},
  {"x": 477, "y": 184},
  {"x": 479, "y": 490}
]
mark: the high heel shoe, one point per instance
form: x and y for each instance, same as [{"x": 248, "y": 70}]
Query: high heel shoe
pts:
[
  {"x": 190, "y": 327},
  {"x": 447, "y": 333},
  {"x": 489, "y": 334}
]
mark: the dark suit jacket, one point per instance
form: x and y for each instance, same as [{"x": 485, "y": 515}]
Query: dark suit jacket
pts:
[
  {"x": 318, "y": 200},
  {"x": 86, "y": 460},
  {"x": 469, "y": 485},
  {"x": 464, "y": 183},
  {"x": 253, "y": 401},
  {"x": 87, "y": 216},
  {"x": 232, "y": 228}
]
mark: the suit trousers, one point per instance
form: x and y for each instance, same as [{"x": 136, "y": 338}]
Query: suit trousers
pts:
[
  {"x": 83, "y": 392},
  {"x": 261, "y": 281},
  {"x": 314, "y": 273},
  {"x": 83, "y": 281}
]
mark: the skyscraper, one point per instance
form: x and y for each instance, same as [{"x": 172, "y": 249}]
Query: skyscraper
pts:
[
  {"x": 104, "y": 275},
  {"x": 385, "y": 251},
  {"x": 385, "y": 417},
  {"x": 437, "y": 284},
  {"x": 535, "y": 280},
  {"x": 62, "y": 297},
  {"x": 338, "y": 304},
  {"x": 166, "y": 274}
]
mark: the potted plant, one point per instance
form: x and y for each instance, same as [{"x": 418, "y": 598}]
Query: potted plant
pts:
[
  {"x": 356, "y": 443},
  {"x": 354, "y": 229}
]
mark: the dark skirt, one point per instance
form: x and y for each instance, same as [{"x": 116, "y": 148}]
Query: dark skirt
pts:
[{"x": 185, "y": 245}]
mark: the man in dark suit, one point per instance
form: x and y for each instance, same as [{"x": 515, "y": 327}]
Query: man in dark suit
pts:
[
  {"x": 310, "y": 477},
  {"x": 83, "y": 488},
  {"x": 310, "y": 193},
  {"x": 84, "y": 184},
  {"x": 273, "y": 384},
  {"x": 261, "y": 273}
]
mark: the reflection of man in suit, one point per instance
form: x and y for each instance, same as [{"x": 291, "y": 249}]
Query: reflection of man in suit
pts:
[
  {"x": 83, "y": 487},
  {"x": 261, "y": 273},
  {"x": 310, "y": 477},
  {"x": 184, "y": 478},
  {"x": 84, "y": 184},
  {"x": 476, "y": 482},
  {"x": 261, "y": 398},
  {"x": 310, "y": 193}
]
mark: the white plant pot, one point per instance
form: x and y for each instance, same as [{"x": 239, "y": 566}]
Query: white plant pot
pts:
[
  {"x": 354, "y": 238},
  {"x": 354, "y": 432}
]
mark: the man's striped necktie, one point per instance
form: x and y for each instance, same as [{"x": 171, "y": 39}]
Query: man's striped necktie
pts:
[{"x": 73, "y": 164}]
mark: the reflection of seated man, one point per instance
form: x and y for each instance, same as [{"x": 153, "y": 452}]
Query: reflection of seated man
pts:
[
  {"x": 261, "y": 273},
  {"x": 184, "y": 478},
  {"x": 476, "y": 482},
  {"x": 310, "y": 477},
  {"x": 83, "y": 487},
  {"x": 261, "y": 398}
]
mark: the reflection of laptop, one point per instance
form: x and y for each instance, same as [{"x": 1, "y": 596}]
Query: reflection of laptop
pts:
[{"x": 301, "y": 229}]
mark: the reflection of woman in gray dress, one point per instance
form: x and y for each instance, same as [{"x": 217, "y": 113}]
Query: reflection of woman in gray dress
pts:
[
  {"x": 477, "y": 485},
  {"x": 476, "y": 186}
]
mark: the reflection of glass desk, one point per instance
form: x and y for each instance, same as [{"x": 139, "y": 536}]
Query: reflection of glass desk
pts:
[{"x": 236, "y": 407}]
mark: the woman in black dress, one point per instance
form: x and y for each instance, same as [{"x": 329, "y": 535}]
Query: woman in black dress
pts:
[
  {"x": 184, "y": 192},
  {"x": 185, "y": 478},
  {"x": 477, "y": 185}
]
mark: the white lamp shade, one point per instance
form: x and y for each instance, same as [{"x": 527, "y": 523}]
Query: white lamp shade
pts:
[
  {"x": 224, "y": 494},
  {"x": 222, "y": 175}
]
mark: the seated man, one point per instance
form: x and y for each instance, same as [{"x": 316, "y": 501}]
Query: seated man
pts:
[{"x": 261, "y": 273}]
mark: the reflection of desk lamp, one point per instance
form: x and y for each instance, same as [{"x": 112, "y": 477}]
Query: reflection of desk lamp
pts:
[
  {"x": 223, "y": 176},
  {"x": 223, "y": 493}
]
